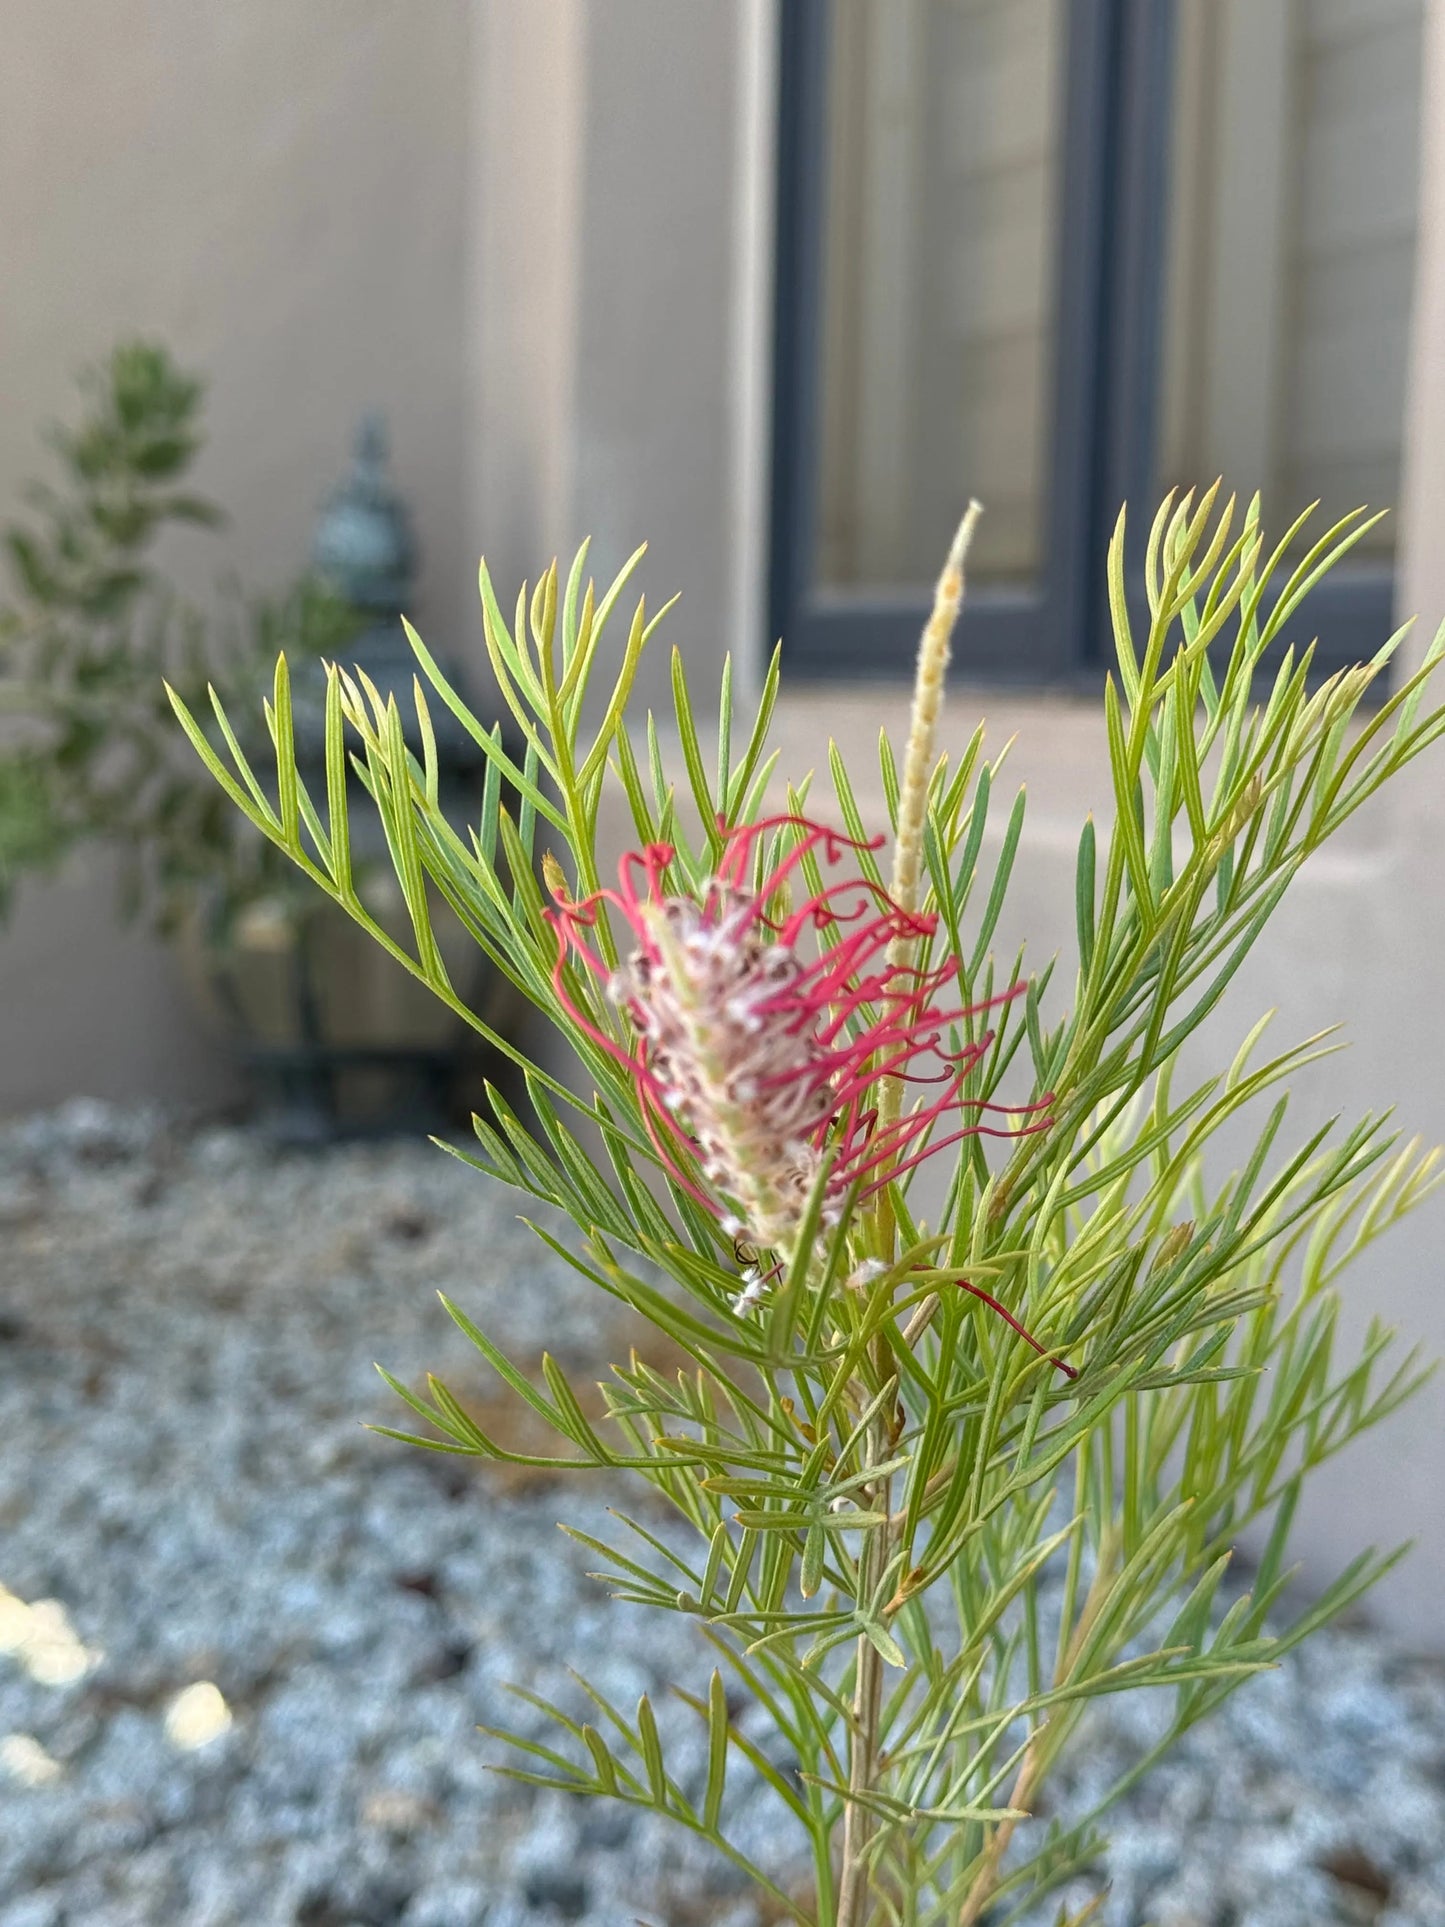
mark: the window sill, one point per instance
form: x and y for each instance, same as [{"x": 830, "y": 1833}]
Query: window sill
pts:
[{"x": 1057, "y": 751}]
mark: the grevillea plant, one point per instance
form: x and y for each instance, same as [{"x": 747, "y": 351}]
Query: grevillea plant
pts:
[{"x": 989, "y": 1362}]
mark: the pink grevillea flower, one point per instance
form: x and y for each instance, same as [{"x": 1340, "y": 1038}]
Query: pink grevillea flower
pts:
[{"x": 760, "y": 1035}]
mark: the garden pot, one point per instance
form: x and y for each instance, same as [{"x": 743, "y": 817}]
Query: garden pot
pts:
[{"x": 336, "y": 1037}]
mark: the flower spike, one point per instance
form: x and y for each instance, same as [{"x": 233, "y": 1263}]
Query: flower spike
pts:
[{"x": 758, "y": 1042}]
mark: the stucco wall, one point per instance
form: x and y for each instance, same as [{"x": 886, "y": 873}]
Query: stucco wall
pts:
[
  {"x": 570, "y": 326},
  {"x": 281, "y": 192},
  {"x": 1357, "y": 939},
  {"x": 609, "y": 320},
  {"x": 536, "y": 235}
]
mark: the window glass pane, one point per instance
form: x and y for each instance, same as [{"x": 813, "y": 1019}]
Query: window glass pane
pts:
[
  {"x": 938, "y": 321},
  {"x": 1292, "y": 250}
]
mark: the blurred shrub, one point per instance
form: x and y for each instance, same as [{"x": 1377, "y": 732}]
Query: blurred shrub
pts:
[{"x": 93, "y": 627}]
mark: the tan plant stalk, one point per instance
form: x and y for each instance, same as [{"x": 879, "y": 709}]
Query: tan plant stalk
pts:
[
  {"x": 1036, "y": 1759},
  {"x": 934, "y": 650}
]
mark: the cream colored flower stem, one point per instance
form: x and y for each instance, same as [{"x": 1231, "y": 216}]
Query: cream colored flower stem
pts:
[{"x": 934, "y": 649}]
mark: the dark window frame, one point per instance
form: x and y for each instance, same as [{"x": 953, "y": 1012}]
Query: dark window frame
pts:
[{"x": 1109, "y": 263}]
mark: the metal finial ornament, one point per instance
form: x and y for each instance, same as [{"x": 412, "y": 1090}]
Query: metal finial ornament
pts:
[{"x": 364, "y": 545}]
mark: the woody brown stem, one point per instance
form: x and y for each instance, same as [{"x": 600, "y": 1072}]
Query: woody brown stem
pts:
[
  {"x": 857, "y": 1821},
  {"x": 1024, "y": 1788},
  {"x": 1034, "y": 1764}
]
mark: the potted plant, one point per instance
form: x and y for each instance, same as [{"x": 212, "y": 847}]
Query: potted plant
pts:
[{"x": 92, "y": 630}]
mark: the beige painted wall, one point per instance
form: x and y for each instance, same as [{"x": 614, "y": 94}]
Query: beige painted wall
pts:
[
  {"x": 606, "y": 285},
  {"x": 326, "y": 207},
  {"x": 1356, "y": 941},
  {"x": 570, "y": 332},
  {"x": 282, "y": 193}
]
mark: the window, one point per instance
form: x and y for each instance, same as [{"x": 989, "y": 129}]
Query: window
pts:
[{"x": 1058, "y": 252}]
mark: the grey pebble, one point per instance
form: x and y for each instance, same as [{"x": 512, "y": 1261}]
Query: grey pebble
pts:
[{"x": 187, "y": 1337}]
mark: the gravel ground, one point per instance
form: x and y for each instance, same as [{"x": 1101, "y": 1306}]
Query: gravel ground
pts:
[{"x": 254, "y": 1698}]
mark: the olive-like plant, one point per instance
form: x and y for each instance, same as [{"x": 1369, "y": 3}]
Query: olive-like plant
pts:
[
  {"x": 950, "y": 1479},
  {"x": 90, "y": 627}
]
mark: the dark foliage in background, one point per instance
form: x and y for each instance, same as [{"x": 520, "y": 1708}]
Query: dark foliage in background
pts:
[{"x": 91, "y": 629}]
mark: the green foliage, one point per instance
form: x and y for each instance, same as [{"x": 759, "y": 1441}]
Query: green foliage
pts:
[
  {"x": 881, "y": 1477},
  {"x": 92, "y": 628}
]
